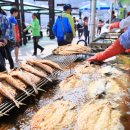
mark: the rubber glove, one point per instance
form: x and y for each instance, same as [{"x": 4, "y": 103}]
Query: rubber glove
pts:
[
  {"x": 114, "y": 25},
  {"x": 112, "y": 50}
]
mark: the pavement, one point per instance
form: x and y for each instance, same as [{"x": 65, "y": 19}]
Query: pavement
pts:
[{"x": 26, "y": 51}]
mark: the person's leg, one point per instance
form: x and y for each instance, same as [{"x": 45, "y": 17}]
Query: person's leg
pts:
[
  {"x": 35, "y": 45},
  {"x": 112, "y": 50},
  {"x": 99, "y": 30},
  {"x": 85, "y": 35},
  {"x": 16, "y": 53},
  {"x": 38, "y": 46},
  {"x": 2, "y": 63},
  {"x": 78, "y": 33},
  {"x": 81, "y": 33},
  {"x": 9, "y": 57}
]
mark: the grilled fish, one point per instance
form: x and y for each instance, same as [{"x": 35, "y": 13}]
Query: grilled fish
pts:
[
  {"x": 21, "y": 75},
  {"x": 86, "y": 69},
  {"x": 115, "y": 123},
  {"x": 55, "y": 116},
  {"x": 1, "y": 98},
  {"x": 22, "y": 85},
  {"x": 14, "y": 82},
  {"x": 32, "y": 70},
  {"x": 42, "y": 66},
  {"x": 7, "y": 91},
  {"x": 35, "y": 79},
  {"x": 71, "y": 49},
  {"x": 96, "y": 87},
  {"x": 50, "y": 63},
  {"x": 70, "y": 82}
]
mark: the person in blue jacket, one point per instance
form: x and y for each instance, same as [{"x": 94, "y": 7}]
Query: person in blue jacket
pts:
[{"x": 64, "y": 24}]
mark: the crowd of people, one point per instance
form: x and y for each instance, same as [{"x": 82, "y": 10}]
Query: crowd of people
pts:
[
  {"x": 10, "y": 36},
  {"x": 64, "y": 29}
]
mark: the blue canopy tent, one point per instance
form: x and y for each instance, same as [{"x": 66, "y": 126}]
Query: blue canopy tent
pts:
[{"x": 99, "y": 6}]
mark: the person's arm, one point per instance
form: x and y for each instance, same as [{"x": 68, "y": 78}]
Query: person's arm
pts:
[
  {"x": 13, "y": 23},
  {"x": 122, "y": 25},
  {"x": 7, "y": 26},
  {"x": 125, "y": 23},
  {"x": 28, "y": 28},
  {"x": 68, "y": 24},
  {"x": 72, "y": 25},
  {"x": 54, "y": 28}
]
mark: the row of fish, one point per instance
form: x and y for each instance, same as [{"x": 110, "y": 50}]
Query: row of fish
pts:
[
  {"x": 80, "y": 106},
  {"x": 28, "y": 74},
  {"x": 59, "y": 115},
  {"x": 71, "y": 49}
]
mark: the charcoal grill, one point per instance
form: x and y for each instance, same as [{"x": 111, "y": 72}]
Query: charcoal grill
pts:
[{"x": 63, "y": 61}]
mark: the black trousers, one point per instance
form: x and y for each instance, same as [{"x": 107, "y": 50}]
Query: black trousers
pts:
[
  {"x": 9, "y": 56},
  {"x": 80, "y": 33},
  {"x": 35, "y": 41},
  {"x": 62, "y": 43},
  {"x": 86, "y": 35},
  {"x": 6, "y": 53},
  {"x": 2, "y": 62}
]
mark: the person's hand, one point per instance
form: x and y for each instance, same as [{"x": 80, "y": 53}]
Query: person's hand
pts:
[
  {"x": 5, "y": 42},
  {"x": 24, "y": 30},
  {"x": 1, "y": 44},
  {"x": 114, "y": 25}
]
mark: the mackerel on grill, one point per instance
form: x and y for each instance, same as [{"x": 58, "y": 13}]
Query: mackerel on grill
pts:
[
  {"x": 7, "y": 91},
  {"x": 45, "y": 67},
  {"x": 14, "y": 82},
  {"x": 21, "y": 75}
]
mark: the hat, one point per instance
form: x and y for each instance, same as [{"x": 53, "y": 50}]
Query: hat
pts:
[{"x": 67, "y": 6}]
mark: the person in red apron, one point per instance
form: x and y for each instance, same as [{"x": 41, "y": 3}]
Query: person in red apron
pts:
[{"x": 122, "y": 44}]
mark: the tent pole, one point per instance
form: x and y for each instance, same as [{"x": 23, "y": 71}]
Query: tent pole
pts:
[
  {"x": 111, "y": 8},
  {"x": 92, "y": 24}
]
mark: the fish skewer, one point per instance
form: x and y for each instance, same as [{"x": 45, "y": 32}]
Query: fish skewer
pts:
[
  {"x": 34, "y": 71},
  {"x": 9, "y": 93},
  {"x": 42, "y": 66},
  {"x": 21, "y": 83},
  {"x": 50, "y": 63},
  {"x": 14, "y": 82},
  {"x": 35, "y": 79},
  {"x": 21, "y": 75}
]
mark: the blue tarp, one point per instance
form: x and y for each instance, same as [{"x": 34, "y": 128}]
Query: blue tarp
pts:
[{"x": 99, "y": 6}]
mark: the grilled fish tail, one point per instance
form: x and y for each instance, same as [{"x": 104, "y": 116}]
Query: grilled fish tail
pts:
[
  {"x": 49, "y": 79},
  {"x": 28, "y": 94},
  {"x": 17, "y": 103},
  {"x": 35, "y": 89}
]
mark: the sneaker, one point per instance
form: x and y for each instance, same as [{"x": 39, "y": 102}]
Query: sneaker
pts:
[
  {"x": 34, "y": 55},
  {"x": 42, "y": 50},
  {"x": 17, "y": 60}
]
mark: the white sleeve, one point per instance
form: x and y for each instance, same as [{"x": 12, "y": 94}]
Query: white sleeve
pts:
[{"x": 125, "y": 23}]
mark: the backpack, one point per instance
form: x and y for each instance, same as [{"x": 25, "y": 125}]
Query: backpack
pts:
[
  {"x": 62, "y": 29},
  {"x": 4, "y": 25}
]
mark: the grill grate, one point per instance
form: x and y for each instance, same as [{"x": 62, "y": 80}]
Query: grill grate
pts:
[{"x": 63, "y": 61}]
